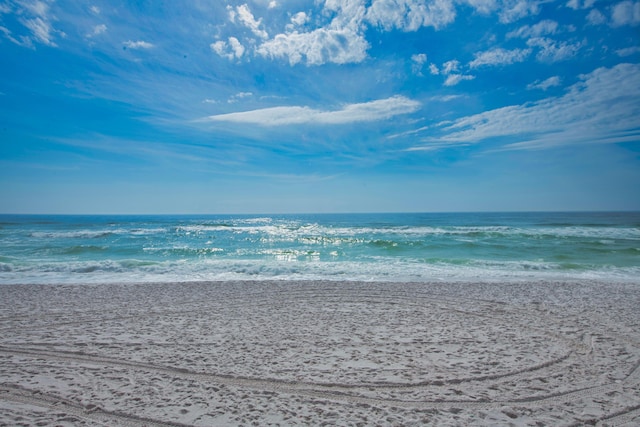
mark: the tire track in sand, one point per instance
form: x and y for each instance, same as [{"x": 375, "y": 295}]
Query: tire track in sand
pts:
[
  {"x": 90, "y": 413},
  {"x": 332, "y": 392}
]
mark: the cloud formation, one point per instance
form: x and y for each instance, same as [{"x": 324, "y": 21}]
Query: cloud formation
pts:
[
  {"x": 545, "y": 84},
  {"x": 338, "y": 34},
  {"x": 140, "y": 44},
  {"x": 35, "y": 16},
  {"x": 499, "y": 56},
  {"x": 601, "y": 108},
  {"x": 352, "y": 113},
  {"x": 626, "y": 13}
]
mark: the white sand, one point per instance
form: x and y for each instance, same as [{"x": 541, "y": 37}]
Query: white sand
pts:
[{"x": 314, "y": 353}]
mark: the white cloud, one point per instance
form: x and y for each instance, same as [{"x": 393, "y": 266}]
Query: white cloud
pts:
[
  {"x": 36, "y": 18},
  {"x": 626, "y": 13},
  {"x": 246, "y": 17},
  {"x": 273, "y": 4},
  {"x": 575, "y": 4},
  {"x": 409, "y": 15},
  {"x": 446, "y": 98},
  {"x": 451, "y": 70},
  {"x": 627, "y": 51},
  {"x": 450, "y": 66},
  {"x": 418, "y": 61},
  {"x": 341, "y": 41},
  {"x": 514, "y": 10},
  {"x": 299, "y": 18},
  {"x": 340, "y": 46},
  {"x": 595, "y": 17},
  {"x": 483, "y": 6},
  {"x": 231, "y": 50},
  {"x": 542, "y": 28},
  {"x": 545, "y": 84},
  {"x": 41, "y": 30},
  {"x": 141, "y": 44},
  {"x": 97, "y": 30},
  {"x": 454, "y": 79},
  {"x": 238, "y": 96},
  {"x": 601, "y": 108},
  {"x": 553, "y": 51},
  {"x": 364, "y": 112},
  {"x": 236, "y": 47},
  {"x": 499, "y": 56},
  {"x": 95, "y": 9}
]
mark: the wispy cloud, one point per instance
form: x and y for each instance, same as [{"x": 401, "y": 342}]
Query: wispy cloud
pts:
[
  {"x": 542, "y": 28},
  {"x": 602, "y": 108},
  {"x": 545, "y": 84},
  {"x": 454, "y": 79},
  {"x": 140, "y": 44},
  {"x": 36, "y": 17},
  {"x": 499, "y": 56},
  {"x": 627, "y": 51},
  {"x": 97, "y": 30},
  {"x": 552, "y": 50},
  {"x": 351, "y": 113},
  {"x": 244, "y": 16}
]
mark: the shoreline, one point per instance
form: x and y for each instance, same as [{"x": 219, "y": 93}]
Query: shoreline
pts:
[{"x": 308, "y": 352}]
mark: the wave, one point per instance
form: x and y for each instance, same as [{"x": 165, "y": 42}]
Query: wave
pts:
[{"x": 294, "y": 265}]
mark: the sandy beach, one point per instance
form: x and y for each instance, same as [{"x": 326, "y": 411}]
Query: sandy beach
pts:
[{"x": 320, "y": 353}]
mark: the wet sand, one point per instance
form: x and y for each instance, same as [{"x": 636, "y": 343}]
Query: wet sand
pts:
[{"x": 314, "y": 353}]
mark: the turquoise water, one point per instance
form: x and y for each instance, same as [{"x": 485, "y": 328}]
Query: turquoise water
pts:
[{"x": 398, "y": 247}]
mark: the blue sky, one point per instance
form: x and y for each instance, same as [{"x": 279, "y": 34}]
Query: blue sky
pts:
[{"x": 319, "y": 106}]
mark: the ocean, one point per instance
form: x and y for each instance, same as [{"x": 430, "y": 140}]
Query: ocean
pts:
[{"x": 415, "y": 247}]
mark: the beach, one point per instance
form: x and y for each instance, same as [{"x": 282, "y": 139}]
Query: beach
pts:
[{"x": 321, "y": 353}]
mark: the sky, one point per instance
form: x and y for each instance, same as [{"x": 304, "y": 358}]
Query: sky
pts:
[{"x": 289, "y": 106}]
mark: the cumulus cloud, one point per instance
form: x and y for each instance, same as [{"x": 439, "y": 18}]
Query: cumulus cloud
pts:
[
  {"x": 601, "y": 108},
  {"x": 418, "y": 61},
  {"x": 244, "y": 15},
  {"x": 450, "y": 69},
  {"x": 595, "y": 17},
  {"x": 499, "y": 56},
  {"x": 626, "y": 13},
  {"x": 545, "y": 84},
  {"x": 340, "y": 46},
  {"x": 578, "y": 4},
  {"x": 363, "y": 112},
  {"x": 513, "y": 10},
  {"x": 140, "y": 44},
  {"x": 299, "y": 18},
  {"x": 232, "y": 49},
  {"x": 409, "y": 15}
]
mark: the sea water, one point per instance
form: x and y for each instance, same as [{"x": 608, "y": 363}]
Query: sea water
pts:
[{"x": 372, "y": 247}]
